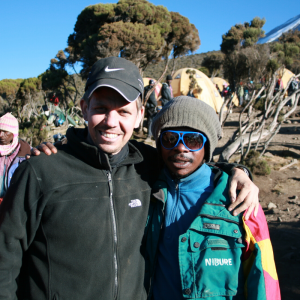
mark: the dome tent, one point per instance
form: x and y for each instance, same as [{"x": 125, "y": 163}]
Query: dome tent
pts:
[
  {"x": 219, "y": 81},
  {"x": 285, "y": 75},
  {"x": 207, "y": 92}
]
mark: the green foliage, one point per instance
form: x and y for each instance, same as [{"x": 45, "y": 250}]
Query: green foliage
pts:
[
  {"x": 205, "y": 71},
  {"x": 135, "y": 30},
  {"x": 287, "y": 50},
  {"x": 288, "y": 61},
  {"x": 257, "y": 165},
  {"x": 33, "y": 130},
  {"x": 243, "y": 58},
  {"x": 290, "y": 49},
  {"x": 193, "y": 82},
  {"x": 213, "y": 62},
  {"x": 272, "y": 66},
  {"x": 245, "y": 63},
  {"x": 56, "y": 79},
  {"x": 52, "y": 79},
  {"x": 9, "y": 87},
  {"x": 29, "y": 87},
  {"x": 183, "y": 37},
  {"x": 246, "y": 33},
  {"x": 71, "y": 89},
  {"x": 251, "y": 36},
  {"x": 257, "y": 22},
  {"x": 277, "y": 47},
  {"x": 290, "y": 37},
  {"x": 280, "y": 54}
]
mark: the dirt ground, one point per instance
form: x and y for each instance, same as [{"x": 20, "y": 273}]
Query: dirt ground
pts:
[{"x": 282, "y": 188}]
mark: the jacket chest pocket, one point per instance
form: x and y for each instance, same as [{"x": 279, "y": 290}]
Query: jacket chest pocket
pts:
[{"x": 210, "y": 261}]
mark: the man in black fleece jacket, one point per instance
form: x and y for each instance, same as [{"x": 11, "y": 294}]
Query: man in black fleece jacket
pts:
[{"x": 72, "y": 224}]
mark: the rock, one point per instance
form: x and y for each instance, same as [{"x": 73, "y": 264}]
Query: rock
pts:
[
  {"x": 287, "y": 209},
  {"x": 288, "y": 122},
  {"x": 295, "y": 122},
  {"x": 292, "y": 202},
  {"x": 274, "y": 211},
  {"x": 298, "y": 216},
  {"x": 268, "y": 154},
  {"x": 279, "y": 219},
  {"x": 271, "y": 205},
  {"x": 294, "y": 197},
  {"x": 145, "y": 129}
]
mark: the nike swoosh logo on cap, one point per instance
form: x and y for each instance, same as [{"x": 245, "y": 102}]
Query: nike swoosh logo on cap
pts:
[{"x": 112, "y": 70}]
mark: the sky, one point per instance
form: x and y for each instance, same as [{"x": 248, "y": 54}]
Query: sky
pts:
[{"x": 32, "y": 31}]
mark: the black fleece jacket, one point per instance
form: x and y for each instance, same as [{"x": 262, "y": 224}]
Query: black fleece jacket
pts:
[{"x": 71, "y": 228}]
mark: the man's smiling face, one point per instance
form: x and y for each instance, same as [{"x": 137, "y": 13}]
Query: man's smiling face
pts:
[{"x": 111, "y": 119}]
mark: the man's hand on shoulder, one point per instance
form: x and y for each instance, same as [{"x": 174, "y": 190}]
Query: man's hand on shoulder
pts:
[
  {"x": 248, "y": 194},
  {"x": 46, "y": 148}
]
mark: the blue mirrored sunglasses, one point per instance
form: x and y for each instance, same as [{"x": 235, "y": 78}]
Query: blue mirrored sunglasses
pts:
[{"x": 193, "y": 141}]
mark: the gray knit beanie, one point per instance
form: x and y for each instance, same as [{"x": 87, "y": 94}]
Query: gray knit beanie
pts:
[{"x": 184, "y": 111}]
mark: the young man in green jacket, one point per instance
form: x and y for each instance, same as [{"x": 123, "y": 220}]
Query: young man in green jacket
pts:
[
  {"x": 202, "y": 251},
  {"x": 72, "y": 224}
]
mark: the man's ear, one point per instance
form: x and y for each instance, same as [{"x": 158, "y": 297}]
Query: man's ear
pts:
[
  {"x": 84, "y": 109},
  {"x": 140, "y": 115}
]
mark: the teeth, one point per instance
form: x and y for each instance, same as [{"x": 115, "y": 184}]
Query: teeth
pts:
[{"x": 109, "y": 135}]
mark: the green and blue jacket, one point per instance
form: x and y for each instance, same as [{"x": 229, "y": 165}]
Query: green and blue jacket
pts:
[{"x": 221, "y": 256}]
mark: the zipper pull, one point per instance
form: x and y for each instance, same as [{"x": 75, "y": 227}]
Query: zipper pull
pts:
[{"x": 109, "y": 176}]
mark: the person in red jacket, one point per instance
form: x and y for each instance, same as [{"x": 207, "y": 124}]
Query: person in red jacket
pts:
[{"x": 54, "y": 99}]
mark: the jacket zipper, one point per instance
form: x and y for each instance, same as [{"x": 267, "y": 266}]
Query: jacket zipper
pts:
[
  {"x": 218, "y": 218},
  {"x": 175, "y": 205},
  {"x": 214, "y": 204},
  {"x": 115, "y": 231}
]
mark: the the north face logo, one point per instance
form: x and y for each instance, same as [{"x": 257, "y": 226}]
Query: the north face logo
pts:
[{"x": 135, "y": 203}]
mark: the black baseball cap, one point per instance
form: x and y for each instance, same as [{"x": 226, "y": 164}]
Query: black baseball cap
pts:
[
  {"x": 151, "y": 81},
  {"x": 117, "y": 73}
]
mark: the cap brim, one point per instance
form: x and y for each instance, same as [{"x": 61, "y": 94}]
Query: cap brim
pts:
[{"x": 128, "y": 92}]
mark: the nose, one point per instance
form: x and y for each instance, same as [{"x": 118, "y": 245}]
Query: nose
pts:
[
  {"x": 1, "y": 133},
  {"x": 111, "y": 119},
  {"x": 181, "y": 148}
]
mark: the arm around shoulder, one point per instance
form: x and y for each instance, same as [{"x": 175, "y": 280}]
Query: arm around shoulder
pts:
[
  {"x": 248, "y": 191},
  {"x": 229, "y": 168}
]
